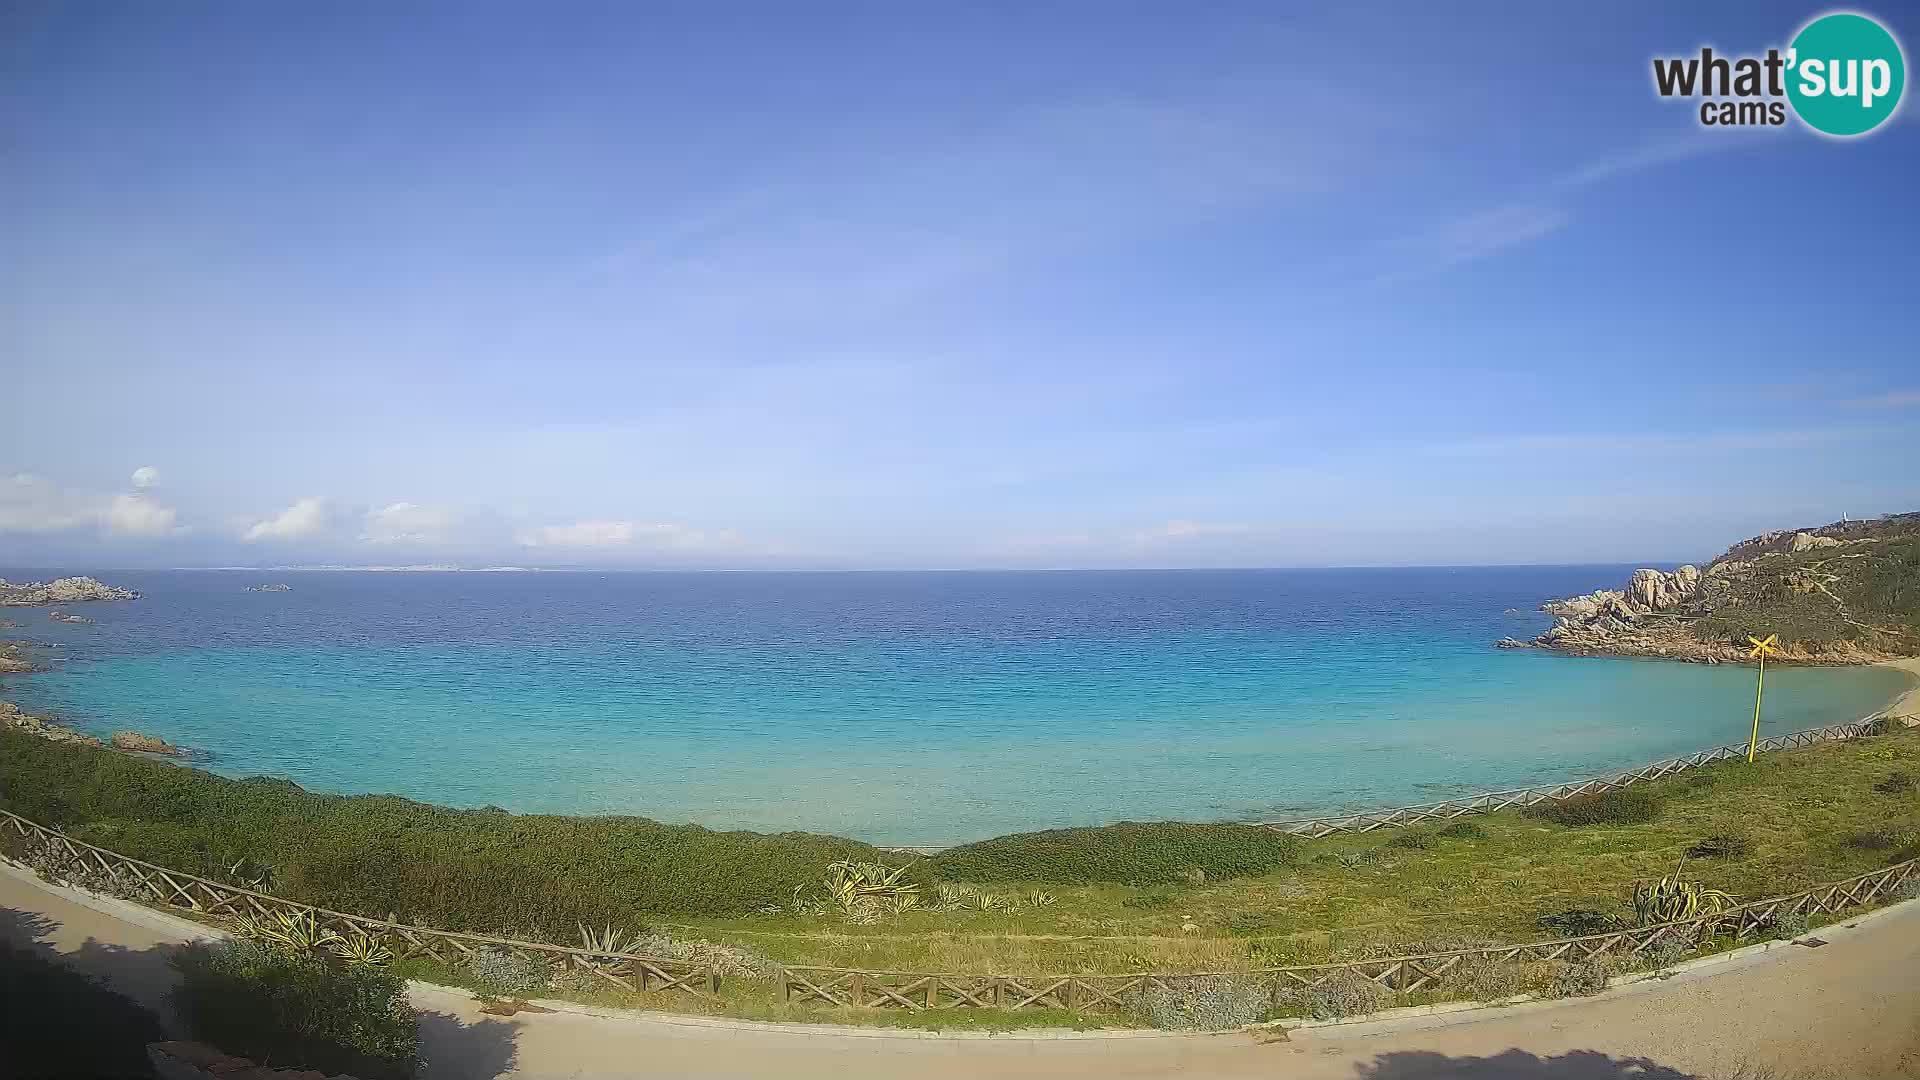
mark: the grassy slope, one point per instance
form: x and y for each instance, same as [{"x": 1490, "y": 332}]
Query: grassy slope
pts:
[
  {"x": 1297, "y": 901},
  {"x": 1865, "y": 592}
]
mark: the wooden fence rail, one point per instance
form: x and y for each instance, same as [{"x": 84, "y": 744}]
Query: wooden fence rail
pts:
[
  {"x": 920, "y": 990},
  {"x": 930, "y": 990},
  {"x": 1488, "y": 802}
]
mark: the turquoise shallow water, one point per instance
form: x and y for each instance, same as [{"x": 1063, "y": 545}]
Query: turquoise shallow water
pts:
[{"x": 917, "y": 709}]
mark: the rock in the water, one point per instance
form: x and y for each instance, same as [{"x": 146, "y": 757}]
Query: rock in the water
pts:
[
  {"x": 65, "y": 617},
  {"x": 275, "y": 587},
  {"x": 145, "y": 744},
  {"x": 1512, "y": 643},
  {"x": 12, "y": 717},
  {"x": 66, "y": 590}
]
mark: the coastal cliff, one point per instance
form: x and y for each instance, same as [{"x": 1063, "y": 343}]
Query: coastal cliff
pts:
[{"x": 1846, "y": 593}]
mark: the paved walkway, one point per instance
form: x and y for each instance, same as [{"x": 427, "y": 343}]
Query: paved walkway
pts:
[{"x": 1850, "y": 1008}]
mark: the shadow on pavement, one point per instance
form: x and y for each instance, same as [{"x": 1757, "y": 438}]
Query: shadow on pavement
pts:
[
  {"x": 1515, "y": 1065},
  {"x": 90, "y": 1011}
]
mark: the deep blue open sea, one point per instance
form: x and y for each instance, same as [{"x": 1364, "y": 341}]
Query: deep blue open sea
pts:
[{"x": 904, "y": 708}]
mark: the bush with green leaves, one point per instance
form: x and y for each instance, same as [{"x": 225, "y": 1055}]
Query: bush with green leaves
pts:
[
  {"x": 1786, "y": 924},
  {"x": 1620, "y": 806},
  {"x": 1461, "y": 829},
  {"x": 1130, "y": 853},
  {"x": 295, "y": 1009},
  {"x": 507, "y": 973},
  {"x": 470, "y": 870},
  {"x": 1899, "y": 782}
]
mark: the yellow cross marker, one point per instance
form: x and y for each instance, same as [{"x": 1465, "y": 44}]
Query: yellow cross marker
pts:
[{"x": 1762, "y": 648}]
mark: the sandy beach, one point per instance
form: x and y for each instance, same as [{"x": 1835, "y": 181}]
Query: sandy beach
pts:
[{"x": 1907, "y": 704}]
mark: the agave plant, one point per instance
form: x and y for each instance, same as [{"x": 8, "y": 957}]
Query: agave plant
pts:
[
  {"x": 1674, "y": 899},
  {"x": 954, "y": 897},
  {"x": 866, "y": 890},
  {"x": 298, "y": 930},
  {"x": 248, "y": 874},
  {"x": 357, "y": 948},
  {"x": 1040, "y": 898},
  {"x": 609, "y": 939}
]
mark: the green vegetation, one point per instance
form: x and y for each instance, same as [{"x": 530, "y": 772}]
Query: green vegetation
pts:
[
  {"x": 1128, "y": 898},
  {"x": 1130, "y": 853},
  {"x": 295, "y": 1009},
  {"x": 1635, "y": 805},
  {"x": 1864, "y": 592}
]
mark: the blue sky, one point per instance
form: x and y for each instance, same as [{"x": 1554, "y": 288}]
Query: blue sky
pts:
[{"x": 832, "y": 285}]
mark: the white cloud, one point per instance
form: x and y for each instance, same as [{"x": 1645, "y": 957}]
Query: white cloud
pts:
[
  {"x": 581, "y": 534},
  {"x": 304, "y": 518},
  {"x": 138, "y": 515},
  {"x": 656, "y": 537},
  {"x": 29, "y": 503},
  {"x": 145, "y": 476},
  {"x": 409, "y": 523},
  {"x": 1181, "y": 529}
]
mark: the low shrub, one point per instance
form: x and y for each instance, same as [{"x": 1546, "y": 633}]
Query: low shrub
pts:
[
  {"x": 1666, "y": 952},
  {"x": 1335, "y": 997},
  {"x": 296, "y": 1010},
  {"x": 1206, "y": 1003},
  {"x": 1621, "y": 806},
  {"x": 1579, "y": 978},
  {"x": 1874, "y": 840},
  {"x": 1721, "y": 846},
  {"x": 1130, "y": 853},
  {"x": 1414, "y": 840},
  {"x": 1463, "y": 829},
  {"x": 1484, "y": 978},
  {"x": 506, "y": 973},
  {"x": 468, "y": 870},
  {"x": 1580, "y": 922},
  {"x": 1908, "y": 889},
  {"x": 1786, "y": 924},
  {"x": 1151, "y": 900},
  {"x": 1896, "y": 783}
]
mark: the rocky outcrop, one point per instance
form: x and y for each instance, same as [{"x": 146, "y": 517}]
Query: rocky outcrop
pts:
[
  {"x": 12, "y": 718},
  {"x": 66, "y": 590},
  {"x": 68, "y": 617},
  {"x": 144, "y": 744},
  {"x": 1806, "y": 541},
  {"x": 275, "y": 587},
  {"x": 1854, "y": 606}
]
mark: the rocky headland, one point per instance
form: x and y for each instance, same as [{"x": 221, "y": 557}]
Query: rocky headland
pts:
[
  {"x": 66, "y": 590},
  {"x": 1845, "y": 593}
]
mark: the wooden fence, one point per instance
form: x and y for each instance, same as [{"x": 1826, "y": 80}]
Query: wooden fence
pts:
[
  {"x": 929, "y": 990},
  {"x": 1488, "y": 802},
  {"x": 919, "y": 990}
]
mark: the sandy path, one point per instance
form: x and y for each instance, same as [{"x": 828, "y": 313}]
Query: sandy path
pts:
[{"x": 1849, "y": 1008}]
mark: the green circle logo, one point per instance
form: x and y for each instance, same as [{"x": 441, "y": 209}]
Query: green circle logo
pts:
[{"x": 1845, "y": 74}]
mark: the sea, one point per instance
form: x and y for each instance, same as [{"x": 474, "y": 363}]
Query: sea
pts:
[{"x": 913, "y": 709}]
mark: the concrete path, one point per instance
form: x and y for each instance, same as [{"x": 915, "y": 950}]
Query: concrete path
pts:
[{"x": 1850, "y": 1008}]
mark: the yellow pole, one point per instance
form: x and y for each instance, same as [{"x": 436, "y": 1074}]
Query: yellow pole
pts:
[{"x": 1759, "y": 687}]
